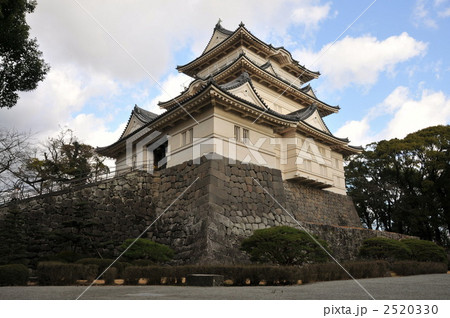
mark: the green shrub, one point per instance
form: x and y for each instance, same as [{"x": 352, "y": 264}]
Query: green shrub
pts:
[
  {"x": 382, "y": 248},
  {"x": 132, "y": 274},
  {"x": 13, "y": 275},
  {"x": 147, "y": 250},
  {"x": 367, "y": 269},
  {"x": 143, "y": 262},
  {"x": 283, "y": 245},
  {"x": 238, "y": 274},
  {"x": 110, "y": 275},
  {"x": 406, "y": 268},
  {"x": 57, "y": 273},
  {"x": 241, "y": 275},
  {"x": 425, "y": 251},
  {"x": 114, "y": 272},
  {"x": 332, "y": 271},
  {"x": 448, "y": 261}
]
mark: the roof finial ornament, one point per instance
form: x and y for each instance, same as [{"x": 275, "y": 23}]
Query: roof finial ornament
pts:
[
  {"x": 218, "y": 22},
  {"x": 241, "y": 24},
  {"x": 211, "y": 80}
]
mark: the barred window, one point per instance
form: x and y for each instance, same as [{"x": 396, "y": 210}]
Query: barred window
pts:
[
  {"x": 237, "y": 133},
  {"x": 187, "y": 137},
  {"x": 245, "y": 135}
]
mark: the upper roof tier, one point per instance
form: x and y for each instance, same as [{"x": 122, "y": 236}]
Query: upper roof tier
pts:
[
  {"x": 265, "y": 76},
  {"x": 224, "y": 42},
  {"x": 241, "y": 97}
]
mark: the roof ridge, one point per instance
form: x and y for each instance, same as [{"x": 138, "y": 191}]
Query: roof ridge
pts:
[
  {"x": 241, "y": 26},
  {"x": 243, "y": 55},
  {"x": 266, "y": 111},
  {"x": 304, "y": 113},
  {"x": 219, "y": 28},
  {"x": 239, "y": 81},
  {"x": 276, "y": 76}
]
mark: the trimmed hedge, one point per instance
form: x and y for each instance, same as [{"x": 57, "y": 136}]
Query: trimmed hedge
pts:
[
  {"x": 425, "y": 251},
  {"x": 406, "y": 268},
  {"x": 253, "y": 274},
  {"x": 382, "y": 248},
  {"x": 13, "y": 275},
  {"x": 53, "y": 273},
  {"x": 332, "y": 271},
  {"x": 57, "y": 273},
  {"x": 113, "y": 272},
  {"x": 143, "y": 262}
]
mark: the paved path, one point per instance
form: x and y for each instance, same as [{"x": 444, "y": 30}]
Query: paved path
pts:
[{"x": 435, "y": 286}]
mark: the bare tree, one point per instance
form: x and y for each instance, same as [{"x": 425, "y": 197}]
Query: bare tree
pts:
[
  {"x": 62, "y": 161},
  {"x": 15, "y": 150},
  {"x": 59, "y": 163}
]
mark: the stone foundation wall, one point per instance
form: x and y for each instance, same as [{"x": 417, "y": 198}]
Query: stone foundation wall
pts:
[
  {"x": 116, "y": 209},
  {"x": 222, "y": 204},
  {"x": 319, "y": 206}
]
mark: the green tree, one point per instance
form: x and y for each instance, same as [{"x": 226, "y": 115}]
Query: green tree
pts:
[
  {"x": 65, "y": 161},
  {"x": 21, "y": 64},
  {"x": 13, "y": 240},
  {"x": 283, "y": 245},
  {"x": 76, "y": 232},
  {"x": 403, "y": 185},
  {"x": 144, "y": 249}
]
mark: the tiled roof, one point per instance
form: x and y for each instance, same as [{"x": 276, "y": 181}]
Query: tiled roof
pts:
[
  {"x": 268, "y": 47},
  {"x": 264, "y": 67},
  {"x": 143, "y": 115},
  {"x": 297, "y": 116}
]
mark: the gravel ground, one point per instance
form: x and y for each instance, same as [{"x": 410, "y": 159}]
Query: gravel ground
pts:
[{"x": 435, "y": 286}]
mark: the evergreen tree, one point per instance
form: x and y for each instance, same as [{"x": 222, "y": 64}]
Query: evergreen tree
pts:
[
  {"x": 21, "y": 63},
  {"x": 403, "y": 185},
  {"x": 13, "y": 240}
]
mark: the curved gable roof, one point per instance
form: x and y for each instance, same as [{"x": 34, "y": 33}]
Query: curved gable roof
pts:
[
  {"x": 219, "y": 35},
  {"x": 297, "y": 117},
  {"x": 280, "y": 54},
  {"x": 324, "y": 108},
  {"x": 139, "y": 117}
]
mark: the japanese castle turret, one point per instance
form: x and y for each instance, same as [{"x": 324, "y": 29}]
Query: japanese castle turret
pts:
[{"x": 248, "y": 101}]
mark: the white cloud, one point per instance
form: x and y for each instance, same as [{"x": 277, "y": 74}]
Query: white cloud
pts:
[
  {"x": 394, "y": 101},
  {"x": 433, "y": 108},
  {"x": 151, "y": 31},
  {"x": 445, "y": 13},
  {"x": 310, "y": 15},
  {"x": 422, "y": 16},
  {"x": 93, "y": 131},
  {"x": 360, "y": 60},
  {"x": 89, "y": 66},
  {"x": 63, "y": 93},
  {"x": 407, "y": 115},
  {"x": 170, "y": 88},
  {"x": 439, "y": 2},
  {"x": 358, "y": 132}
]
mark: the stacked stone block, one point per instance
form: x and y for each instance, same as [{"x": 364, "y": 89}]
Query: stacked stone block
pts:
[{"x": 203, "y": 211}]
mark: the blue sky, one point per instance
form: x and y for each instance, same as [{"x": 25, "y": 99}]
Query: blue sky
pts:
[{"x": 389, "y": 72}]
